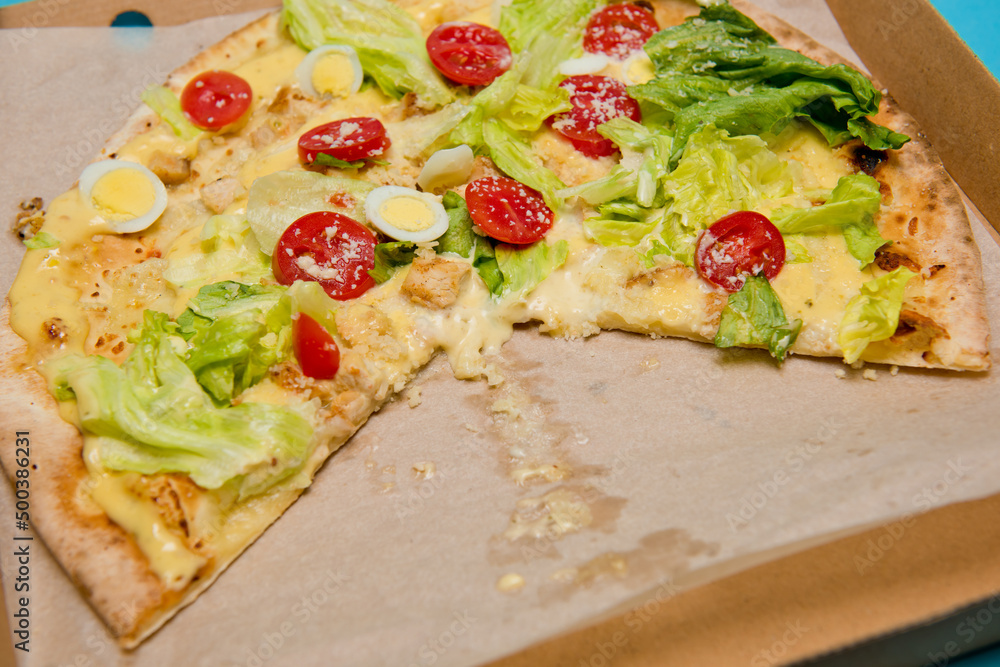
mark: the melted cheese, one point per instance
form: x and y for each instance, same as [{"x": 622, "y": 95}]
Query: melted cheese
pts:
[
  {"x": 590, "y": 292},
  {"x": 266, "y": 73},
  {"x": 168, "y": 556}
]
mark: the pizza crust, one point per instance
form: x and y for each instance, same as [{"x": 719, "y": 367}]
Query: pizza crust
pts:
[
  {"x": 916, "y": 186},
  {"x": 104, "y": 562}
]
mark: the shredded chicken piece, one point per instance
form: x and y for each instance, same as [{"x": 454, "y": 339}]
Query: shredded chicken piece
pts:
[
  {"x": 169, "y": 168},
  {"x": 221, "y": 193},
  {"x": 434, "y": 282}
]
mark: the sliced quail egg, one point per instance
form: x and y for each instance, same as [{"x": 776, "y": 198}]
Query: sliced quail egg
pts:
[
  {"x": 446, "y": 167},
  {"x": 330, "y": 71},
  {"x": 591, "y": 63},
  {"x": 125, "y": 194},
  {"x": 406, "y": 214},
  {"x": 638, "y": 68}
]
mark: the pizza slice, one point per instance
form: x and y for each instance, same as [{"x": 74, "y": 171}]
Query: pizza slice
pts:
[{"x": 311, "y": 209}]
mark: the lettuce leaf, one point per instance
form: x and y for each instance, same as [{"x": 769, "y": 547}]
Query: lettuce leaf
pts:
[
  {"x": 389, "y": 42},
  {"x": 618, "y": 231},
  {"x": 228, "y": 250},
  {"x": 852, "y": 206},
  {"x": 512, "y": 155},
  {"x": 717, "y": 174},
  {"x": 151, "y": 416},
  {"x": 235, "y": 333},
  {"x": 461, "y": 240},
  {"x": 389, "y": 257},
  {"x": 754, "y": 317},
  {"x": 873, "y": 315},
  {"x": 550, "y": 31},
  {"x": 164, "y": 102},
  {"x": 721, "y": 68},
  {"x": 42, "y": 241},
  {"x": 524, "y": 267},
  {"x": 530, "y": 106}
]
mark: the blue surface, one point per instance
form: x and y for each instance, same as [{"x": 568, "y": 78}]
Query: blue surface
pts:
[{"x": 978, "y": 23}]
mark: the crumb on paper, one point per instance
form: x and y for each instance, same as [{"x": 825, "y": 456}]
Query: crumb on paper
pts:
[
  {"x": 840, "y": 373},
  {"x": 650, "y": 364},
  {"x": 29, "y": 219},
  {"x": 894, "y": 371},
  {"x": 870, "y": 374},
  {"x": 470, "y": 427},
  {"x": 512, "y": 582},
  {"x": 424, "y": 469},
  {"x": 413, "y": 398},
  {"x": 858, "y": 365},
  {"x": 494, "y": 376},
  {"x": 389, "y": 470}
]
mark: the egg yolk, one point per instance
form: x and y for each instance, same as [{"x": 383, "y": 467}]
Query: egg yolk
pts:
[
  {"x": 408, "y": 214},
  {"x": 641, "y": 70},
  {"x": 333, "y": 74},
  {"x": 122, "y": 194}
]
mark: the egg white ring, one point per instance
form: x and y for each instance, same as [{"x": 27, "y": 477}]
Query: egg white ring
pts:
[
  {"x": 589, "y": 64},
  {"x": 377, "y": 197},
  {"x": 94, "y": 172},
  {"x": 304, "y": 72},
  {"x": 449, "y": 166},
  {"x": 627, "y": 64}
]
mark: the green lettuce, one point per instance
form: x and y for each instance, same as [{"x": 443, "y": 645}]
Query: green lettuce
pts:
[
  {"x": 529, "y": 107},
  {"x": 228, "y": 250},
  {"x": 461, "y": 240},
  {"x": 753, "y": 316},
  {"x": 721, "y": 68},
  {"x": 151, "y": 415},
  {"x": 873, "y": 315},
  {"x": 512, "y": 155},
  {"x": 550, "y": 31},
  {"x": 235, "y": 333},
  {"x": 489, "y": 103},
  {"x": 851, "y": 206},
  {"x": 617, "y": 230},
  {"x": 42, "y": 241},
  {"x": 389, "y": 257},
  {"x": 389, "y": 42},
  {"x": 166, "y": 105},
  {"x": 524, "y": 267},
  {"x": 717, "y": 174}
]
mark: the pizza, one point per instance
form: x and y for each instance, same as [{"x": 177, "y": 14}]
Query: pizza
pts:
[{"x": 306, "y": 213}]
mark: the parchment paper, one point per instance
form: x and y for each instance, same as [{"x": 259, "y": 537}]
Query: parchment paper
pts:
[{"x": 692, "y": 462}]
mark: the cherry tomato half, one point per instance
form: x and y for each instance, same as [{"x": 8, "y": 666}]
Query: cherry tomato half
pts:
[
  {"x": 469, "y": 53},
  {"x": 595, "y": 100},
  {"x": 214, "y": 99},
  {"x": 740, "y": 244},
  {"x": 348, "y": 139},
  {"x": 330, "y": 248},
  {"x": 619, "y": 30},
  {"x": 507, "y": 210},
  {"x": 315, "y": 348}
]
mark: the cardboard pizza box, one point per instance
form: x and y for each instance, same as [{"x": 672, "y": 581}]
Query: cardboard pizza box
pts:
[{"x": 936, "y": 570}]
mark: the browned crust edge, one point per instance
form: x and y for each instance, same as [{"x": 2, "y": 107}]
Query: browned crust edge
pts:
[
  {"x": 101, "y": 559},
  {"x": 917, "y": 185}
]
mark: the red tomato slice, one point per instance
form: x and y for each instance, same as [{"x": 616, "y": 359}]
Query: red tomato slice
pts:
[
  {"x": 330, "y": 248},
  {"x": 595, "y": 100},
  {"x": 507, "y": 210},
  {"x": 469, "y": 53},
  {"x": 315, "y": 348},
  {"x": 618, "y": 30},
  {"x": 214, "y": 99},
  {"x": 740, "y": 244},
  {"x": 348, "y": 139}
]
